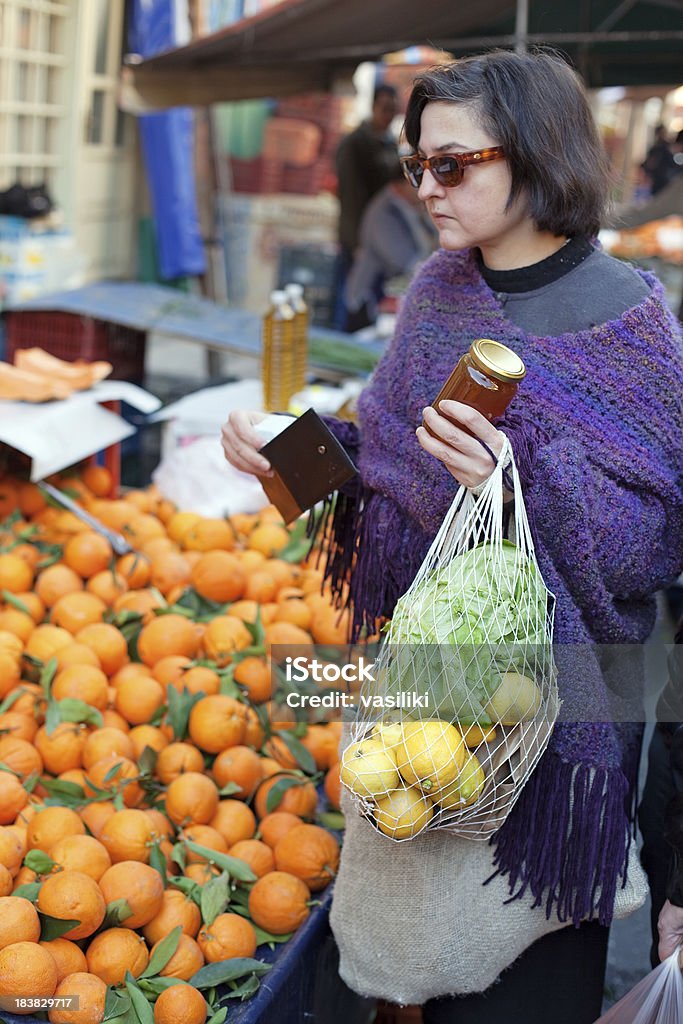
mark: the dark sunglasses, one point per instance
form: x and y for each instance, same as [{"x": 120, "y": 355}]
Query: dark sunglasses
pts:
[{"x": 447, "y": 168}]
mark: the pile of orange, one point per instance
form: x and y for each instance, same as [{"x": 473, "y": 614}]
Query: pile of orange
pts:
[{"x": 140, "y": 745}]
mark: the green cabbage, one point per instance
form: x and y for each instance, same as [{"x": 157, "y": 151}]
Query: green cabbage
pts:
[{"x": 482, "y": 614}]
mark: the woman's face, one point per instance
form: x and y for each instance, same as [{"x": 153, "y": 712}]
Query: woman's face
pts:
[{"x": 473, "y": 213}]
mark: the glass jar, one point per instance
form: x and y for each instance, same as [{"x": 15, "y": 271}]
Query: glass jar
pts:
[{"x": 486, "y": 377}]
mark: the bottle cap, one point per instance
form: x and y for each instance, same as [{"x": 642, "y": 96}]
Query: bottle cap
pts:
[
  {"x": 277, "y": 297},
  {"x": 497, "y": 360},
  {"x": 295, "y": 290}
]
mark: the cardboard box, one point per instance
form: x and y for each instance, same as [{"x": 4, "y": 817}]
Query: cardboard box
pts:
[{"x": 55, "y": 435}]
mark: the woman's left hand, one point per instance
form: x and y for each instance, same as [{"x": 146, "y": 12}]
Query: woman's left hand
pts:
[{"x": 461, "y": 453}]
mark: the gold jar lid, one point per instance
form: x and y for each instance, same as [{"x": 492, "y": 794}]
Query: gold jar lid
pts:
[{"x": 497, "y": 360}]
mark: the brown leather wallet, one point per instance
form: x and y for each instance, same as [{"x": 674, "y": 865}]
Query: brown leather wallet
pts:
[{"x": 308, "y": 464}]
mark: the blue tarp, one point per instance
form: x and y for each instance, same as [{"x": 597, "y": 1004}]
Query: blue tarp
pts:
[{"x": 167, "y": 146}]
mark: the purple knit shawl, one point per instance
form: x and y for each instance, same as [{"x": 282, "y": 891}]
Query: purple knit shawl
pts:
[{"x": 597, "y": 434}]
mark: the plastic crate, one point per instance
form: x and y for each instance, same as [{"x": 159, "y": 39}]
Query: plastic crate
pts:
[{"x": 71, "y": 336}]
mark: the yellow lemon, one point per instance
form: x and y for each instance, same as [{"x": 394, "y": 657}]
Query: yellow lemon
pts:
[
  {"x": 368, "y": 769},
  {"x": 473, "y": 735},
  {"x": 403, "y": 812},
  {"x": 517, "y": 699},
  {"x": 389, "y": 735},
  {"x": 431, "y": 754},
  {"x": 465, "y": 789}
]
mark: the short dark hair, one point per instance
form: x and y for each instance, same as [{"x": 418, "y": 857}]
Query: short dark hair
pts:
[
  {"x": 536, "y": 107},
  {"x": 384, "y": 89}
]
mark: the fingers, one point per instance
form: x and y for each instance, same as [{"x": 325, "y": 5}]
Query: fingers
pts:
[
  {"x": 241, "y": 443},
  {"x": 670, "y": 928},
  {"x": 665, "y": 948},
  {"x": 465, "y": 416},
  {"x": 469, "y": 470},
  {"x": 446, "y": 430}
]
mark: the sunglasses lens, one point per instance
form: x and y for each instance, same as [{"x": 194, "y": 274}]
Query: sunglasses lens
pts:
[
  {"x": 447, "y": 171},
  {"x": 413, "y": 171}
]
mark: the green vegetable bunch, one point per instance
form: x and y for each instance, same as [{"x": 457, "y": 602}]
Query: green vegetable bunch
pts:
[{"x": 455, "y": 632}]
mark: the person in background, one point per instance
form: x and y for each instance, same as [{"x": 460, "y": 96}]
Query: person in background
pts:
[
  {"x": 668, "y": 201},
  {"x": 365, "y": 163},
  {"x": 659, "y": 164},
  {"x": 396, "y": 235},
  {"x": 661, "y": 813}
]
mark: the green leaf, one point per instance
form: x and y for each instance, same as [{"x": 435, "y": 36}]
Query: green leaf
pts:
[
  {"x": 54, "y": 927},
  {"x": 229, "y": 688},
  {"x": 10, "y": 771},
  {"x": 303, "y": 757},
  {"x": 299, "y": 545},
  {"x": 276, "y": 793},
  {"x": 31, "y": 781},
  {"x": 179, "y": 707},
  {"x": 244, "y": 991},
  {"x": 219, "y": 1016},
  {"x": 47, "y": 674},
  {"x": 69, "y": 793},
  {"x": 142, "y": 1008},
  {"x": 235, "y": 867},
  {"x": 11, "y": 699},
  {"x": 52, "y": 718},
  {"x": 16, "y": 602},
  {"x": 215, "y": 897},
  {"x": 155, "y": 986},
  {"x": 163, "y": 953},
  {"x": 179, "y": 856},
  {"x": 116, "y": 1003},
  {"x": 158, "y": 862},
  {"x": 114, "y": 770},
  {"x": 72, "y": 710},
  {"x": 258, "y": 633},
  {"x": 227, "y": 970},
  {"x": 118, "y": 802},
  {"x": 186, "y": 885},
  {"x": 117, "y": 912},
  {"x": 29, "y": 891},
  {"x": 229, "y": 789},
  {"x": 39, "y": 862},
  {"x": 264, "y": 936},
  {"x": 147, "y": 761},
  {"x": 333, "y": 820}
]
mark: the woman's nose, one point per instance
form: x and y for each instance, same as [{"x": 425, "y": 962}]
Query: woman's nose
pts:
[{"x": 429, "y": 186}]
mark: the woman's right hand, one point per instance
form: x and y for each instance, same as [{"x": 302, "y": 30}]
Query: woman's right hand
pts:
[{"x": 241, "y": 442}]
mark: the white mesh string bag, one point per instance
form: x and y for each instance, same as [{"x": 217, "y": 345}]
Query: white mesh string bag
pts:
[{"x": 463, "y": 695}]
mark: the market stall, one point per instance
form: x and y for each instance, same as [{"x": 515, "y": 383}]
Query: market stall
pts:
[{"x": 140, "y": 308}]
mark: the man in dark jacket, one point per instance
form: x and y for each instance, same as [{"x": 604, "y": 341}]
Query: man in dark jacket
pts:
[
  {"x": 366, "y": 160},
  {"x": 661, "y": 813}
]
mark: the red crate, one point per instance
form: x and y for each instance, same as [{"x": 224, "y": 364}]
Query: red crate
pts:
[
  {"x": 307, "y": 181},
  {"x": 71, "y": 336},
  {"x": 256, "y": 177}
]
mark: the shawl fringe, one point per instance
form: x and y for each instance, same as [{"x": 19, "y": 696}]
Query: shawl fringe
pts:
[{"x": 550, "y": 846}]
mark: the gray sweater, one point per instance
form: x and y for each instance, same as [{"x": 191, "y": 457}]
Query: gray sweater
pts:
[{"x": 576, "y": 288}]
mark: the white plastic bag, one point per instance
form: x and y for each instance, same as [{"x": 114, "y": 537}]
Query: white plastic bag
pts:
[
  {"x": 197, "y": 478},
  {"x": 657, "y": 999},
  {"x": 471, "y": 640}
]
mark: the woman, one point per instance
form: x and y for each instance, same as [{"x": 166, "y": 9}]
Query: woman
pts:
[{"x": 510, "y": 166}]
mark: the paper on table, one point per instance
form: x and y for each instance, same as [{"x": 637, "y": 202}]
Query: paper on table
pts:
[{"x": 57, "y": 434}]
